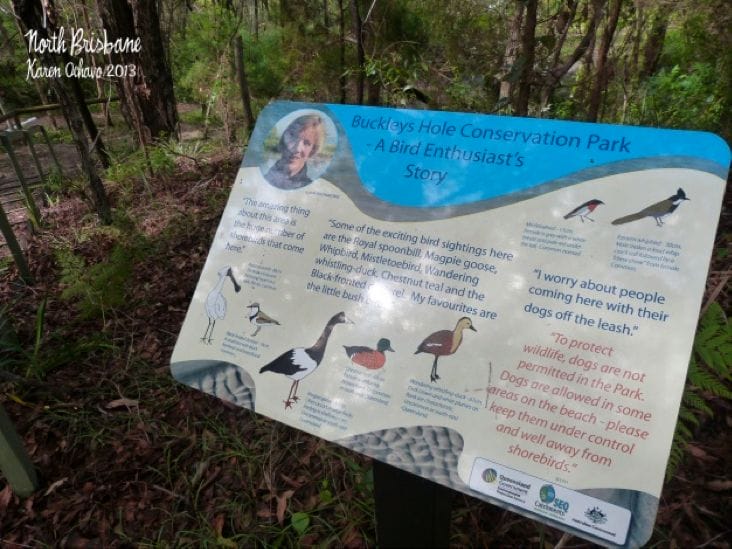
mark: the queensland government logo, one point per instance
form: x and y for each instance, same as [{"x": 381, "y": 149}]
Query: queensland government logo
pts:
[
  {"x": 490, "y": 475},
  {"x": 596, "y": 516}
]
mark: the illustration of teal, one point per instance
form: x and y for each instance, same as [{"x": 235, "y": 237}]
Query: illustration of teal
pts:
[
  {"x": 259, "y": 318},
  {"x": 373, "y": 359},
  {"x": 657, "y": 211},
  {"x": 216, "y": 302},
  {"x": 444, "y": 342},
  {"x": 583, "y": 211},
  {"x": 300, "y": 362}
]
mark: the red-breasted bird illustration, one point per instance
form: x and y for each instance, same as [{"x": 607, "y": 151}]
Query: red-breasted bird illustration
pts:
[
  {"x": 657, "y": 211},
  {"x": 300, "y": 362},
  {"x": 444, "y": 342},
  {"x": 583, "y": 211},
  {"x": 373, "y": 359}
]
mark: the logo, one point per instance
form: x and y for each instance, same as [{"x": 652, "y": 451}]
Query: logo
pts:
[
  {"x": 490, "y": 475},
  {"x": 546, "y": 493},
  {"x": 596, "y": 516}
]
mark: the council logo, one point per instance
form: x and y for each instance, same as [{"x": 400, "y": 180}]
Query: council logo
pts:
[
  {"x": 546, "y": 493},
  {"x": 596, "y": 516},
  {"x": 490, "y": 475}
]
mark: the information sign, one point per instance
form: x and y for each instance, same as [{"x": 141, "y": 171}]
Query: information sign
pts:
[{"x": 505, "y": 306}]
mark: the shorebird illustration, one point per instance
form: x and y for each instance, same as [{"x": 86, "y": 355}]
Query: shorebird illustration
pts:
[
  {"x": 259, "y": 318},
  {"x": 216, "y": 302}
]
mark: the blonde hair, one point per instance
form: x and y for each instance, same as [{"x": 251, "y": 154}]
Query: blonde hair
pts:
[{"x": 297, "y": 126}]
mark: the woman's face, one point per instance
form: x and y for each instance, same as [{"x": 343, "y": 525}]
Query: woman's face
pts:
[{"x": 300, "y": 149}]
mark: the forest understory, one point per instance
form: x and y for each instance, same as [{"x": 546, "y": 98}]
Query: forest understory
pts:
[{"x": 129, "y": 457}]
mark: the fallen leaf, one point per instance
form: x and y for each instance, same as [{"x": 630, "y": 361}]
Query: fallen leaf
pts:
[
  {"x": 122, "y": 403},
  {"x": 5, "y": 496},
  {"x": 282, "y": 505},
  {"x": 719, "y": 485},
  {"x": 55, "y": 485}
]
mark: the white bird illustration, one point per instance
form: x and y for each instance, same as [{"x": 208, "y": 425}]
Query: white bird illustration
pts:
[{"x": 216, "y": 302}]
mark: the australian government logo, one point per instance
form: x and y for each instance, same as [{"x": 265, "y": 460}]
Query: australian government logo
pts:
[
  {"x": 596, "y": 516},
  {"x": 550, "y": 503}
]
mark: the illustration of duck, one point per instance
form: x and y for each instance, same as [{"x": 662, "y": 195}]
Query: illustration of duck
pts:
[
  {"x": 300, "y": 362},
  {"x": 215, "y": 304},
  {"x": 373, "y": 359},
  {"x": 259, "y": 318},
  {"x": 444, "y": 342}
]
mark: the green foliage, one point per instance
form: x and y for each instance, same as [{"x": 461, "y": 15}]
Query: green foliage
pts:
[
  {"x": 99, "y": 287},
  {"x": 710, "y": 374},
  {"x": 682, "y": 99}
]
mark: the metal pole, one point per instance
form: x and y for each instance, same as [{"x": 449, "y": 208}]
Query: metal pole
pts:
[{"x": 15, "y": 249}]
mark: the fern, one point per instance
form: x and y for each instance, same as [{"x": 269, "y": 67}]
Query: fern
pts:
[{"x": 710, "y": 371}]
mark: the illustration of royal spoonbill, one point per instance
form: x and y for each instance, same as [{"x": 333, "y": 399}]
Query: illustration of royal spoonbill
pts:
[
  {"x": 300, "y": 362},
  {"x": 444, "y": 342},
  {"x": 373, "y": 359},
  {"x": 216, "y": 302}
]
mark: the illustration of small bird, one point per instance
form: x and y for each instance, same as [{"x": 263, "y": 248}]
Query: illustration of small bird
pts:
[
  {"x": 657, "y": 211},
  {"x": 368, "y": 357},
  {"x": 216, "y": 302},
  {"x": 444, "y": 342},
  {"x": 300, "y": 362},
  {"x": 259, "y": 318},
  {"x": 583, "y": 211}
]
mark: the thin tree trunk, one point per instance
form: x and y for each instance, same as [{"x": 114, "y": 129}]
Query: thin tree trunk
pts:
[
  {"x": 654, "y": 43},
  {"x": 241, "y": 77},
  {"x": 510, "y": 55},
  {"x": 342, "y": 79},
  {"x": 602, "y": 48},
  {"x": 560, "y": 69},
  {"x": 360, "y": 52},
  {"x": 528, "y": 49},
  {"x": 93, "y": 58}
]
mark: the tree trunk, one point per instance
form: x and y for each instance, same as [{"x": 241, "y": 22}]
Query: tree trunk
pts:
[
  {"x": 511, "y": 55},
  {"x": 360, "y": 52},
  {"x": 342, "y": 79},
  {"x": 241, "y": 77},
  {"x": 602, "y": 48},
  {"x": 528, "y": 49},
  {"x": 654, "y": 43},
  {"x": 146, "y": 93},
  {"x": 561, "y": 68},
  {"x": 31, "y": 14}
]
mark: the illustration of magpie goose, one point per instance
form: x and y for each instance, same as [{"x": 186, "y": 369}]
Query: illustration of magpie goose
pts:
[
  {"x": 657, "y": 211},
  {"x": 300, "y": 362}
]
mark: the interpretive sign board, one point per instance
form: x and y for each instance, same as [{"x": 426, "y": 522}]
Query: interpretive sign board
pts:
[{"x": 505, "y": 306}]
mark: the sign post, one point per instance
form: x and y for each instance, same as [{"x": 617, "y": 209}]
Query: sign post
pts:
[{"x": 503, "y": 306}]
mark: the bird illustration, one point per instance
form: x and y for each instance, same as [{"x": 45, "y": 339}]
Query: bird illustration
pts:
[
  {"x": 444, "y": 342},
  {"x": 216, "y": 302},
  {"x": 300, "y": 362},
  {"x": 583, "y": 211},
  {"x": 657, "y": 211},
  {"x": 368, "y": 357},
  {"x": 259, "y": 318}
]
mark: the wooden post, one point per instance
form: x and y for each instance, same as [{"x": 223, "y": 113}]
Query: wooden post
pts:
[
  {"x": 14, "y": 247},
  {"x": 410, "y": 511},
  {"x": 31, "y": 203},
  {"x": 51, "y": 150},
  {"x": 14, "y": 461}
]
